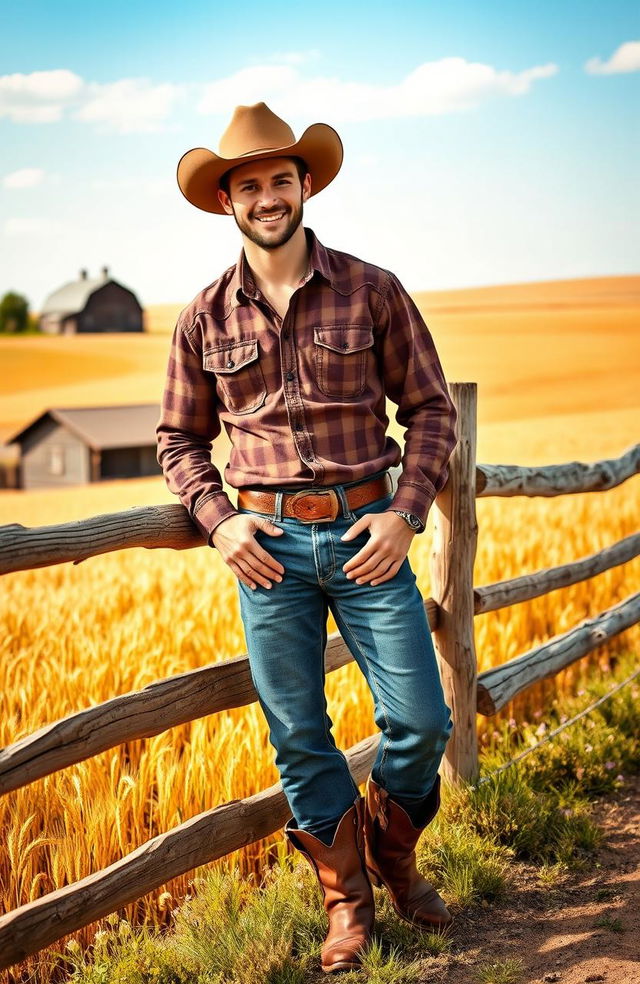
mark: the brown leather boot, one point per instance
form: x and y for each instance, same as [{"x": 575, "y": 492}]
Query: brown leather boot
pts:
[
  {"x": 390, "y": 840},
  {"x": 348, "y": 896}
]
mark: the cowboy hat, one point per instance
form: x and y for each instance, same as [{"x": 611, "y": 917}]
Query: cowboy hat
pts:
[{"x": 255, "y": 133}]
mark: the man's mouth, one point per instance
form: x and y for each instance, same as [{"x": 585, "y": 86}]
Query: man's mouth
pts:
[{"x": 271, "y": 217}]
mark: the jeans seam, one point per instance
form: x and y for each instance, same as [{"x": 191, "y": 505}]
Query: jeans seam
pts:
[
  {"x": 323, "y": 642},
  {"x": 330, "y": 740},
  {"x": 387, "y": 738},
  {"x": 333, "y": 555},
  {"x": 314, "y": 545},
  {"x": 315, "y": 539}
]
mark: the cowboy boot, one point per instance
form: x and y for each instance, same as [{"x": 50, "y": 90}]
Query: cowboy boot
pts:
[
  {"x": 390, "y": 840},
  {"x": 346, "y": 889}
]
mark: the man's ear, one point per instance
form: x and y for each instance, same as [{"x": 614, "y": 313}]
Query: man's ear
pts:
[
  {"x": 306, "y": 187},
  {"x": 225, "y": 201}
]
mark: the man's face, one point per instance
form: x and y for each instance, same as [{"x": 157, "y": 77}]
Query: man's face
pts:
[{"x": 265, "y": 198}]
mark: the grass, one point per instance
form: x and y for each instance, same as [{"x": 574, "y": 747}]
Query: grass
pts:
[
  {"x": 612, "y": 923},
  {"x": 501, "y": 972},
  {"x": 232, "y": 930}
]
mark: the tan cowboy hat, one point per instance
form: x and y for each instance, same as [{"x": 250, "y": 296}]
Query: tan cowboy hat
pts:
[{"x": 255, "y": 132}]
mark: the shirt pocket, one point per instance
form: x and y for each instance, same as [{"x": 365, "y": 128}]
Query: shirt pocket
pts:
[
  {"x": 340, "y": 360},
  {"x": 239, "y": 376}
]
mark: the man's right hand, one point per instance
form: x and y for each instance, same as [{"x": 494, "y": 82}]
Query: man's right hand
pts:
[{"x": 234, "y": 539}]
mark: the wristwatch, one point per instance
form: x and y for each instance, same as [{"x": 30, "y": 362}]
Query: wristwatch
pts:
[{"x": 411, "y": 519}]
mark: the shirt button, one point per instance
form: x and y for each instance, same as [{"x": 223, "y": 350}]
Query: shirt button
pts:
[
  {"x": 230, "y": 364},
  {"x": 286, "y": 333},
  {"x": 298, "y": 426},
  {"x": 345, "y": 345},
  {"x": 290, "y": 377}
]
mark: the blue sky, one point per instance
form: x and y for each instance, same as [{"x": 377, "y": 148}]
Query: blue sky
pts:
[{"x": 484, "y": 142}]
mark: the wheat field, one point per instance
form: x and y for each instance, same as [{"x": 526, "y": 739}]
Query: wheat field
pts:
[{"x": 558, "y": 370}]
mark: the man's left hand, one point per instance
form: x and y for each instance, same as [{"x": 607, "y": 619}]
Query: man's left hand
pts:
[{"x": 381, "y": 557}]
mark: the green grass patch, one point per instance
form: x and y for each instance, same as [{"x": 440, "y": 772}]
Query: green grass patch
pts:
[{"x": 501, "y": 972}]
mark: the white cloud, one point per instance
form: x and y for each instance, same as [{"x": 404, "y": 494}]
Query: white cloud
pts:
[
  {"x": 433, "y": 88},
  {"x": 626, "y": 58},
  {"x": 129, "y": 105},
  {"x": 39, "y": 97},
  {"x": 123, "y": 106},
  {"x": 26, "y": 177},
  {"x": 137, "y": 105}
]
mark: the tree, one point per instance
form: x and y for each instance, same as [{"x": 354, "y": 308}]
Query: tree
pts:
[{"x": 14, "y": 312}]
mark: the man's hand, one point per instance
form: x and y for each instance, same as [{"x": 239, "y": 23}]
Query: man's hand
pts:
[
  {"x": 234, "y": 539},
  {"x": 381, "y": 557}
]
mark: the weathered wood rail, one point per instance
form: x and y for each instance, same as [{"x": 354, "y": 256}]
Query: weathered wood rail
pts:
[
  {"x": 224, "y": 685},
  {"x": 169, "y": 526}
]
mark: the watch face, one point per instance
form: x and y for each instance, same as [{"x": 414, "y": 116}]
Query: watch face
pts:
[{"x": 413, "y": 521}]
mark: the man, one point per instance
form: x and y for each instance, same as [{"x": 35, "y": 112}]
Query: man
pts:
[{"x": 294, "y": 349}]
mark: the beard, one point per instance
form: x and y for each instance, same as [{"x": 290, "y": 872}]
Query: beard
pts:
[{"x": 267, "y": 238}]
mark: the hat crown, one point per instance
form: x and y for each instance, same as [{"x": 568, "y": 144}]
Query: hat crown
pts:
[{"x": 254, "y": 129}]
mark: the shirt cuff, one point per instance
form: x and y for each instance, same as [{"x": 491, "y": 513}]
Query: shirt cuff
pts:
[
  {"x": 414, "y": 499},
  {"x": 212, "y": 512}
]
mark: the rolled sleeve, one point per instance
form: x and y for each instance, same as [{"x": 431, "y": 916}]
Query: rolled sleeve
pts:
[
  {"x": 185, "y": 432},
  {"x": 414, "y": 380}
]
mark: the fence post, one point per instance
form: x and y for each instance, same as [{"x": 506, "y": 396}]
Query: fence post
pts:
[{"x": 453, "y": 553}]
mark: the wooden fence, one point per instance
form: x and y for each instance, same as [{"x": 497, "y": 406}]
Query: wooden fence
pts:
[{"x": 187, "y": 696}]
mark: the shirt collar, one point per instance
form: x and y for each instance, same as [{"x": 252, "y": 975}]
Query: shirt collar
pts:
[{"x": 242, "y": 286}]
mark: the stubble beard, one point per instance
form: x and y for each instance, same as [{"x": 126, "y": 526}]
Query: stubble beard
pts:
[{"x": 250, "y": 230}]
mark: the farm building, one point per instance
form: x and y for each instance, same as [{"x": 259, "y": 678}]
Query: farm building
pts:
[
  {"x": 91, "y": 304},
  {"x": 88, "y": 444}
]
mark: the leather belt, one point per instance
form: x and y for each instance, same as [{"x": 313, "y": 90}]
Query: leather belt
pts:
[{"x": 316, "y": 505}]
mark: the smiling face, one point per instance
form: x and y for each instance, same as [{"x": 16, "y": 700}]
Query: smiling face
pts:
[{"x": 265, "y": 198}]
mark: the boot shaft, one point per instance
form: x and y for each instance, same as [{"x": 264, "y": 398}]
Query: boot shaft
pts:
[
  {"x": 347, "y": 893},
  {"x": 390, "y": 842}
]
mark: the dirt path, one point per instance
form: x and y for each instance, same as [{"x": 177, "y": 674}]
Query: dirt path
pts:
[{"x": 584, "y": 928}]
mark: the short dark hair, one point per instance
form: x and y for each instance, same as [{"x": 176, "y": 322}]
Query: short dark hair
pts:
[{"x": 301, "y": 168}]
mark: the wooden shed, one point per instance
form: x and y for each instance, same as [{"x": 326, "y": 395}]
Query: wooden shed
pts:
[
  {"x": 91, "y": 304},
  {"x": 65, "y": 447}
]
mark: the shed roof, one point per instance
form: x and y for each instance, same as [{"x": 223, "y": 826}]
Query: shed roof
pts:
[{"x": 103, "y": 427}]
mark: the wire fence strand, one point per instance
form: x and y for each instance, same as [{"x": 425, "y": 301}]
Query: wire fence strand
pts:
[{"x": 556, "y": 731}]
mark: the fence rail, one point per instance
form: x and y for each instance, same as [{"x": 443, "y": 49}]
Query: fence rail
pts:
[
  {"x": 170, "y": 527},
  {"x": 228, "y": 684}
]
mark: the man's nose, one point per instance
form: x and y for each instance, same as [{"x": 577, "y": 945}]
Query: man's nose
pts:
[{"x": 267, "y": 198}]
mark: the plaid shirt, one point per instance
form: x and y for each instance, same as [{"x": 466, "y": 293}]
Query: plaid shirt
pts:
[{"x": 303, "y": 399}]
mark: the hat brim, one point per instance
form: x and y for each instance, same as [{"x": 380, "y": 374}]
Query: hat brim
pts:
[{"x": 200, "y": 170}]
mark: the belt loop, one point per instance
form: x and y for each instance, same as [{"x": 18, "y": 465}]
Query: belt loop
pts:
[
  {"x": 277, "y": 512},
  {"x": 346, "y": 512}
]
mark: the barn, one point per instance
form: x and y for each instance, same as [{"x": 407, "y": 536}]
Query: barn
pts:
[
  {"x": 65, "y": 447},
  {"x": 91, "y": 304}
]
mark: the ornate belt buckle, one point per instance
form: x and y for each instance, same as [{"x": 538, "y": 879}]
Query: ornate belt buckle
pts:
[{"x": 304, "y": 512}]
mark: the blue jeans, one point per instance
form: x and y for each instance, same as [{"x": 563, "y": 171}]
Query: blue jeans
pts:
[{"x": 385, "y": 628}]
